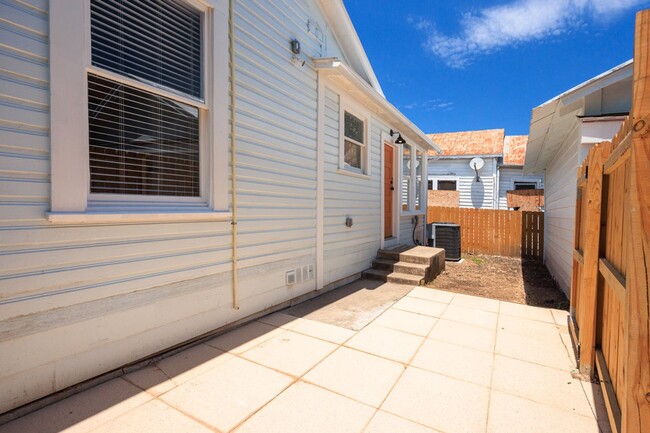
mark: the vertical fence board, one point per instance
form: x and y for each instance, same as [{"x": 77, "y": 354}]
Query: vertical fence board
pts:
[{"x": 495, "y": 232}]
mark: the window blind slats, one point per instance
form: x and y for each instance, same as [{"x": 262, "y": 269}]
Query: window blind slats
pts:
[
  {"x": 158, "y": 41},
  {"x": 141, "y": 143}
]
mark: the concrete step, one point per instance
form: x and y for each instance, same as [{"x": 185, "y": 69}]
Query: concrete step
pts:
[
  {"x": 407, "y": 279},
  {"x": 411, "y": 268},
  {"x": 376, "y": 274},
  {"x": 383, "y": 264},
  {"x": 418, "y": 255}
]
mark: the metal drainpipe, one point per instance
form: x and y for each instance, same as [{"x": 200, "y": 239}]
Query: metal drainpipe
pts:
[{"x": 231, "y": 30}]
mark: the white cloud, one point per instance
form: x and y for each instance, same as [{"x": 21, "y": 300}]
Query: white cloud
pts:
[
  {"x": 514, "y": 23},
  {"x": 428, "y": 105}
]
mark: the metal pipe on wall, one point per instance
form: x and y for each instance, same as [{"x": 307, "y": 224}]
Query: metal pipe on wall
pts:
[{"x": 233, "y": 147}]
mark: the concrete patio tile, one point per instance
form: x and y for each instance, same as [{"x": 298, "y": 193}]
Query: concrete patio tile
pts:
[
  {"x": 387, "y": 343},
  {"x": 290, "y": 353},
  {"x": 227, "y": 394},
  {"x": 279, "y": 320},
  {"x": 420, "y": 306},
  {"x": 532, "y": 328},
  {"x": 384, "y": 422},
  {"x": 527, "y": 312},
  {"x": 241, "y": 339},
  {"x": 191, "y": 362},
  {"x": 462, "y": 334},
  {"x": 308, "y": 408},
  {"x": 512, "y": 414},
  {"x": 541, "y": 384},
  {"x": 560, "y": 316},
  {"x": 543, "y": 350},
  {"x": 478, "y": 303},
  {"x": 594, "y": 395},
  {"x": 82, "y": 412},
  {"x": 439, "y": 402},
  {"x": 358, "y": 375},
  {"x": 413, "y": 323},
  {"x": 568, "y": 345},
  {"x": 431, "y": 295},
  {"x": 456, "y": 361},
  {"x": 154, "y": 416},
  {"x": 471, "y": 316},
  {"x": 324, "y": 331},
  {"x": 151, "y": 379}
]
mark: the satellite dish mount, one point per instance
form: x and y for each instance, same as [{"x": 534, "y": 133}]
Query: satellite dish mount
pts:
[{"x": 476, "y": 164}]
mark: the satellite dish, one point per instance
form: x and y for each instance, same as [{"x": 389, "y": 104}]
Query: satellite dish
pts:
[{"x": 476, "y": 164}]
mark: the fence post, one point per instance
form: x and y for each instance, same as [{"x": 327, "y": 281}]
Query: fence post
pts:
[
  {"x": 591, "y": 247},
  {"x": 636, "y": 397}
]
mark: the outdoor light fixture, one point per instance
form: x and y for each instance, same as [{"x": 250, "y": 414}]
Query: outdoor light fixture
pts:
[{"x": 399, "y": 139}]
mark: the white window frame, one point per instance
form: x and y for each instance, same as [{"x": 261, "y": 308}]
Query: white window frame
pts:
[
  {"x": 412, "y": 177},
  {"x": 345, "y": 104},
  {"x": 435, "y": 180},
  {"x": 70, "y": 64},
  {"x": 537, "y": 182}
]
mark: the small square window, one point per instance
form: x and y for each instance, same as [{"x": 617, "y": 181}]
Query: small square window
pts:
[
  {"x": 525, "y": 185},
  {"x": 446, "y": 185}
]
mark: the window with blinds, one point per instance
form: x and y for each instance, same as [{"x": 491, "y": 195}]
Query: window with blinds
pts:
[{"x": 141, "y": 141}]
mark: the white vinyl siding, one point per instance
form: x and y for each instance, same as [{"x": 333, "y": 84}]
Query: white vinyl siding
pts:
[
  {"x": 507, "y": 177},
  {"x": 349, "y": 250},
  {"x": 477, "y": 195},
  {"x": 125, "y": 291},
  {"x": 560, "y": 206}
]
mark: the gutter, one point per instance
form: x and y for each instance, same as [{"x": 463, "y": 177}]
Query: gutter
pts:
[{"x": 335, "y": 66}]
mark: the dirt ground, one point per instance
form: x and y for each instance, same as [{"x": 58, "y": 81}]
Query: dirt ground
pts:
[{"x": 505, "y": 278}]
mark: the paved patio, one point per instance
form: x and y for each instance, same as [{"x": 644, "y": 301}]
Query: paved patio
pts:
[{"x": 433, "y": 361}]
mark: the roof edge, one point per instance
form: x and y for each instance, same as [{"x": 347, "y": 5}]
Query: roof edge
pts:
[{"x": 336, "y": 66}]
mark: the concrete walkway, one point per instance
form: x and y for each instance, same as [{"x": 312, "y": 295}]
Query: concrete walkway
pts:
[{"x": 431, "y": 362}]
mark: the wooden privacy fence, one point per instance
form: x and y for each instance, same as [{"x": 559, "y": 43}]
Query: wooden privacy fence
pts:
[
  {"x": 611, "y": 262},
  {"x": 495, "y": 232}
]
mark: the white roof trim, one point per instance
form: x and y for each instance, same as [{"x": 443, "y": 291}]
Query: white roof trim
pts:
[
  {"x": 347, "y": 37},
  {"x": 336, "y": 67},
  {"x": 540, "y": 125}
]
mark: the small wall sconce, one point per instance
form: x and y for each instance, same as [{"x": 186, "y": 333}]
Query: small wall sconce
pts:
[
  {"x": 399, "y": 139},
  {"x": 295, "y": 46},
  {"x": 348, "y": 222}
]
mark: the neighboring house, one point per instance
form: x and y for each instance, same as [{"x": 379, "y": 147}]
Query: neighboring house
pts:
[
  {"x": 118, "y": 134},
  {"x": 501, "y": 171},
  {"x": 510, "y": 176},
  {"x": 562, "y": 131}
]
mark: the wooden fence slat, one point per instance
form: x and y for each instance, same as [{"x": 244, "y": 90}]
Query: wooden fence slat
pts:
[
  {"x": 495, "y": 232},
  {"x": 636, "y": 395},
  {"x": 590, "y": 252}
]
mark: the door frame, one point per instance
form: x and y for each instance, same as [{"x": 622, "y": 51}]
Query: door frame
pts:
[{"x": 387, "y": 140}]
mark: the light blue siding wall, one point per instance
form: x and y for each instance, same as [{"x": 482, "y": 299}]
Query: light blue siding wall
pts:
[
  {"x": 507, "y": 176},
  {"x": 478, "y": 195}
]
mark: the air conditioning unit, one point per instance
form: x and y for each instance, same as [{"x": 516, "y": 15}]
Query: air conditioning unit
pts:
[{"x": 447, "y": 237}]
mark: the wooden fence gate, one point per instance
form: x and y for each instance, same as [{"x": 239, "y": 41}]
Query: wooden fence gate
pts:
[
  {"x": 495, "y": 232},
  {"x": 611, "y": 262}
]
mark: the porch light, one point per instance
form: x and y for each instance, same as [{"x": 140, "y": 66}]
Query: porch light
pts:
[{"x": 399, "y": 139}]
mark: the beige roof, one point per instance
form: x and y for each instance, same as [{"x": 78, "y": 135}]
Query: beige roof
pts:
[
  {"x": 514, "y": 149},
  {"x": 468, "y": 143}
]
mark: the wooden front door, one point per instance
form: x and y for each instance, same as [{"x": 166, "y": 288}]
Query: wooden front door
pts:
[{"x": 388, "y": 191}]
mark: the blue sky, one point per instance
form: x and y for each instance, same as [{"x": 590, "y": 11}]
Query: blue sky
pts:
[{"x": 455, "y": 65}]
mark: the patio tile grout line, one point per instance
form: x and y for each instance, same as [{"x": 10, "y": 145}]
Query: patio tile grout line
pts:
[
  {"x": 406, "y": 365},
  {"x": 494, "y": 355},
  {"x": 295, "y": 380}
]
